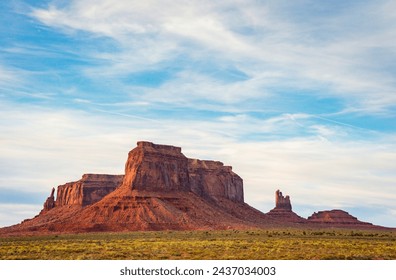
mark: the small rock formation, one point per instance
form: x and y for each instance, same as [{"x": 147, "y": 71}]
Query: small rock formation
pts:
[
  {"x": 49, "y": 203},
  {"x": 283, "y": 210},
  {"x": 282, "y": 202},
  {"x": 89, "y": 189},
  {"x": 338, "y": 217}
]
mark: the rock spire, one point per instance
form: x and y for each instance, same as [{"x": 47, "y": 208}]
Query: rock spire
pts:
[
  {"x": 283, "y": 210},
  {"x": 49, "y": 202},
  {"x": 282, "y": 202}
]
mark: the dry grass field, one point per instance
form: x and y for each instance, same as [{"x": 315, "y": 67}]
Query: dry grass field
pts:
[{"x": 289, "y": 244}]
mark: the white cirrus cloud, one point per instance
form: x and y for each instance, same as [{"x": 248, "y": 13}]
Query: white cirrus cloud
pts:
[{"x": 337, "y": 53}]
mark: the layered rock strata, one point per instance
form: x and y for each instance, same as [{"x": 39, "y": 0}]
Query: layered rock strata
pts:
[
  {"x": 335, "y": 217},
  {"x": 89, "y": 189},
  {"x": 211, "y": 179},
  {"x": 152, "y": 167}
]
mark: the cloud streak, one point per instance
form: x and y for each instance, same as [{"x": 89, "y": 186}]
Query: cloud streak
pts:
[{"x": 260, "y": 40}]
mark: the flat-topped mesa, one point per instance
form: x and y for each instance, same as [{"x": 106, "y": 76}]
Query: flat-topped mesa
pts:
[
  {"x": 282, "y": 202},
  {"x": 88, "y": 190},
  {"x": 336, "y": 216},
  {"x": 211, "y": 179},
  {"x": 98, "y": 178},
  {"x": 152, "y": 167},
  {"x": 159, "y": 147}
]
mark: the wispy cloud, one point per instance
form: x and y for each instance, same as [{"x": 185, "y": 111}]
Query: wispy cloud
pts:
[
  {"x": 343, "y": 61},
  {"x": 6, "y": 75}
]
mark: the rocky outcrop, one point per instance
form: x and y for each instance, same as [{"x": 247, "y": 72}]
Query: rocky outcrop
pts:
[
  {"x": 152, "y": 167},
  {"x": 49, "y": 203},
  {"x": 89, "y": 189},
  {"x": 283, "y": 210},
  {"x": 211, "y": 179},
  {"x": 282, "y": 202},
  {"x": 335, "y": 217}
]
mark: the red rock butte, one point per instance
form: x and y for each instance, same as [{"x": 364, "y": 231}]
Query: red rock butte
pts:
[
  {"x": 283, "y": 210},
  {"x": 162, "y": 189}
]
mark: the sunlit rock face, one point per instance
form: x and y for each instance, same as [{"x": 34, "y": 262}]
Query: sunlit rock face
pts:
[{"x": 89, "y": 189}]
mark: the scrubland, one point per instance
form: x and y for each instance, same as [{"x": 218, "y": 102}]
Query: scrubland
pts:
[{"x": 289, "y": 244}]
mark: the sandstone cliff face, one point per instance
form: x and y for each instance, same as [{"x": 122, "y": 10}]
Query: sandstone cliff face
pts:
[
  {"x": 49, "y": 203},
  {"x": 211, "y": 179},
  {"x": 90, "y": 189},
  {"x": 154, "y": 167}
]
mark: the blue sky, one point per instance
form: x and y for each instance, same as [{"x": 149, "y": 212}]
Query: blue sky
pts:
[{"x": 299, "y": 96}]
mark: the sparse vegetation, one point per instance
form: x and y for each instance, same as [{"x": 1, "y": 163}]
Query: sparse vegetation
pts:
[{"x": 251, "y": 244}]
